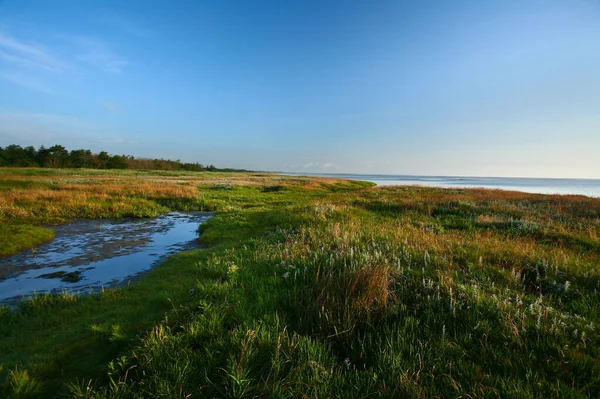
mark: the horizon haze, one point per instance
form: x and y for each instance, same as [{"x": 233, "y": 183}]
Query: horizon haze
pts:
[{"x": 435, "y": 88}]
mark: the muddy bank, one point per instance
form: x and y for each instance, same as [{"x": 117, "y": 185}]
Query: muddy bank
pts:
[{"x": 89, "y": 254}]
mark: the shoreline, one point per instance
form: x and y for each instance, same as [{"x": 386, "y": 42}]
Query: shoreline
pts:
[{"x": 528, "y": 185}]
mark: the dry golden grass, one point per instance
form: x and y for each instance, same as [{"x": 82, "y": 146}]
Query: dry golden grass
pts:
[{"x": 49, "y": 197}]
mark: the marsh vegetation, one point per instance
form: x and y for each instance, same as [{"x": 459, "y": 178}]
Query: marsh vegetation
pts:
[{"x": 313, "y": 287}]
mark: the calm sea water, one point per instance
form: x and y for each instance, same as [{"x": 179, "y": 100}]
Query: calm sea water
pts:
[{"x": 589, "y": 187}]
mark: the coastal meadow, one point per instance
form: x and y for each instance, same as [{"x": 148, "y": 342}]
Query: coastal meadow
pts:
[{"x": 314, "y": 287}]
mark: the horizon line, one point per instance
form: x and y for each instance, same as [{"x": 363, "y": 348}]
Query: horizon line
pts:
[{"x": 431, "y": 176}]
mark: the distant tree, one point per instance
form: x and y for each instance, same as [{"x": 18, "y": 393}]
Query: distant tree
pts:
[
  {"x": 59, "y": 156},
  {"x": 103, "y": 159},
  {"x": 3, "y": 158},
  {"x": 90, "y": 159},
  {"x": 159, "y": 164},
  {"x": 15, "y": 155},
  {"x": 192, "y": 166},
  {"x": 31, "y": 154},
  {"x": 117, "y": 162},
  {"x": 81, "y": 159},
  {"x": 77, "y": 159},
  {"x": 43, "y": 156}
]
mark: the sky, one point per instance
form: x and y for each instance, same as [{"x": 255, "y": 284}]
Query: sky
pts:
[{"x": 462, "y": 88}]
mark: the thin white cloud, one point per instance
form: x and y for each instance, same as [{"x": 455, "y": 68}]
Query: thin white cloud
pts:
[
  {"x": 27, "y": 81},
  {"x": 25, "y": 54},
  {"x": 43, "y": 67},
  {"x": 317, "y": 165},
  {"x": 100, "y": 57},
  {"x": 96, "y": 53}
]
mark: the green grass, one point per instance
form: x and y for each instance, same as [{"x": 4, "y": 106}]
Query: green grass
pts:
[
  {"x": 316, "y": 289},
  {"x": 16, "y": 237}
]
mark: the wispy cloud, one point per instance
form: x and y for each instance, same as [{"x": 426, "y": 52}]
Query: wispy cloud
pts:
[
  {"x": 96, "y": 53},
  {"x": 318, "y": 165},
  {"x": 41, "y": 67},
  {"x": 27, "y": 81},
  {"x": 27, "y": 54}
]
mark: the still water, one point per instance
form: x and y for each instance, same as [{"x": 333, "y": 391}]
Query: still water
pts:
[
  {"x": 589, "y": 187},
  {"x": 89, "y": 254}
]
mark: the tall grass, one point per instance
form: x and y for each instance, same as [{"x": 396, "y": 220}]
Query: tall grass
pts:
[{"x": 321, "y": 289}]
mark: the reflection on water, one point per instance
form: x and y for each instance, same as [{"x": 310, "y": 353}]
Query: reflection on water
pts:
[{"x": 91, "y": 253}]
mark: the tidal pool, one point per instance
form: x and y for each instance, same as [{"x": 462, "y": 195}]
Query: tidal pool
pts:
[{"x": 88, "y": 254}]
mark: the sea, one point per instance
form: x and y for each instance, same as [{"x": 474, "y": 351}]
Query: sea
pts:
[{"x": 587, "y": 187}]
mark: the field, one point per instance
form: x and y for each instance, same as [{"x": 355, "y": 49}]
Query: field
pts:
[{"x": 312, "y": 288}]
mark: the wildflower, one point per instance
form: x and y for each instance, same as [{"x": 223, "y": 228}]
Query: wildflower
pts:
[
  {"x": 286, "y": 275},
  {"x": 232, "y": 269}
]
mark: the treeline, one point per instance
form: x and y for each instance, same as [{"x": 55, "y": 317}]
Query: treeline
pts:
[{"x": 58, "y": 156}]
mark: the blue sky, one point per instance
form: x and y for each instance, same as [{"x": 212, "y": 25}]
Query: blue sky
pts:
[{"x": 489, "y": 88}]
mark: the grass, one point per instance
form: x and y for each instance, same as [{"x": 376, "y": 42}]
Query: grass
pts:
[
  {"x": 33, "y": 198},
  {"x": 317, "y": 288},
  {"x": 15, "y": 237}
]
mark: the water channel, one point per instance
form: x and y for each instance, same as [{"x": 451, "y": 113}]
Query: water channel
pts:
[{"x": 88, "y": 254}]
